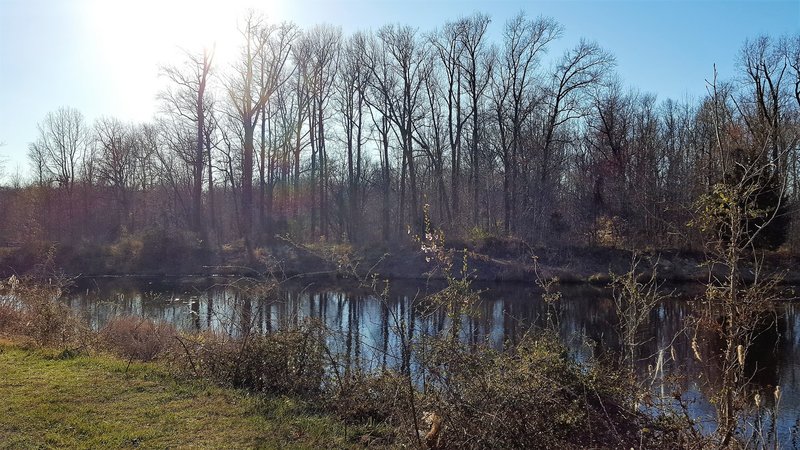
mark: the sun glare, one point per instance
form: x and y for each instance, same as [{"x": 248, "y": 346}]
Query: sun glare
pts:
[
  {"x": 134, "y": 38},
  {"x": 164, "y": 27}
]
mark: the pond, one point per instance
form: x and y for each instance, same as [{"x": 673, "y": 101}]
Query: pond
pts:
[{"x": 365, "y": 332}]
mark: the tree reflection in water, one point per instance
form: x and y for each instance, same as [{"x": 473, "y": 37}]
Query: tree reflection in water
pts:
[{"x": 364, "y": 331}]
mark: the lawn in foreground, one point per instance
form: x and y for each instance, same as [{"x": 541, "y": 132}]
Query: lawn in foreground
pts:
[{"x": 93, "y": 402}]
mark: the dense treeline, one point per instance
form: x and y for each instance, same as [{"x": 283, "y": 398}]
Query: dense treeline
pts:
[{"x": 316, "y": 134}]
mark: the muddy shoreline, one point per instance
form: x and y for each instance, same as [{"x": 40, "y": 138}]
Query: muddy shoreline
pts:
[{"x": 569, "y": 265}]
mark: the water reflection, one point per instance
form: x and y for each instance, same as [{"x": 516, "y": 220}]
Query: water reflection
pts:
[{"x": 366, "y": 331}]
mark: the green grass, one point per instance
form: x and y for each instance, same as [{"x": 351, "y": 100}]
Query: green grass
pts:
[{"x": 92, "y": 402}]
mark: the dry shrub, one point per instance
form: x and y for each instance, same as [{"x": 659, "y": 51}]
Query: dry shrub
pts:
[
  {"x": 51, "y": 323},
  {"x": 9, "y": 311},
  {"x": 288, "y": 361},
  {"x": 138, "y": 338},
  {"x": 126, "y": 252},
  {"x": 369, "y": 398},
  {"x": 609, "y": 232},
  {"x": 9, "y": 317},
  {"x": 33, "y": 309},
  {"x": 533, "y": 396}
]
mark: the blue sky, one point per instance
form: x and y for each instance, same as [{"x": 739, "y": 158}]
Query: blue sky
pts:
[{"x": 102, "y": 56}]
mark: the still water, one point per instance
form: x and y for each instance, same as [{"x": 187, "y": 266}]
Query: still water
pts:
[{"x": 365, "y": 328}]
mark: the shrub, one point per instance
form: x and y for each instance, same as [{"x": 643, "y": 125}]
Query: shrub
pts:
[
  {"x": 9, "y": 314},
  {"x": 24, "y": 258},
  {"x": 125, "y": 253},
  {"x": 288, "y": 361},
  {"x": 157, "y": 250},
  {"x": 138, "y": 338},
  {"x": 172, "y": 251},
  {"x": 371, "y": 397},
  {"x": 83, "y": 257},
  {"x": 32, "y": 309},
  {"x": 533, "y": 396},
  {"x": 476, "y": 234},
  {"x": 609, "y": 232}
]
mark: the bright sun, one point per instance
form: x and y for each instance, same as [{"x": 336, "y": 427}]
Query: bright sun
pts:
[
  {"x": 163, "y": 27},
  {"x": 133, "y": 39}
]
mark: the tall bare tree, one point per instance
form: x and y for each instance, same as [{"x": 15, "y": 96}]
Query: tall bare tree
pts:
[
  {"x": 765, "y": 66},
  {"x": 477, "y": 62},
  {"x": 525, "y": 41},
  {"x": 116, "y": 164},
  {"x": 579, "y": 70},
  {"x": 399, "y": 51},
  {"x": 324, "y": 44},
  {"x": 186, "y": 98},
  {"x": 448, "y": 48},
  {"x": 352, "y": 92},
  {"x": 259, "y": 72}
]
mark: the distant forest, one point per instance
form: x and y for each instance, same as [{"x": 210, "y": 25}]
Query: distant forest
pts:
[{"x": 361, "y": 138}]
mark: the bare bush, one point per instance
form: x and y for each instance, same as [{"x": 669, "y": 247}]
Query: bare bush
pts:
[
  {"x": 32, "y": 309},
  {"x": 531, "y": 396},
  {"x": 634, "y": 301},
  {"x": 739, "y": 219},
  {"x": 280, "y": 362},
  {"x": 9, "y": 310},
  {"x": 138, "y": 338},
  {"x": 376, "y": 397},
  {"x": 9, "y": 316}
]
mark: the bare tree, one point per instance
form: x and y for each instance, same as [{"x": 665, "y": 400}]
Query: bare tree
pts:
[
  {"x": 62, "y": 139},
  {"x": 399, "y": 51},
  {"x": 765, "y": 66},
  {"x": 297, "y": 106},
  {"x": 187, "y": 99},
  {"x": 324, "y": 45},
  {"x": 447, "y": 48},
  {"x": 116, "y": 164},
  {"x": 38, "y": 161},
  {"x": 525, "y": 41},
  {"x": 579, "y": 69},
  {"x": 57, "y": 155},
  {"x": 431, "y": 131},
  {"x": 379, "y": 101},
  {"x": 260, "y": 70},
  {"x": 352, "y": 92},
  {"x": 609, "y": 146},
  {"x": 791, "y": 49},
  {"x": 477, "y": 61},
  {"x": 175, "y": 159}
]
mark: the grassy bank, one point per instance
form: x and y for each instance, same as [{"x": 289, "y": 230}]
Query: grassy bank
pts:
[{"x": 100, "y": 402}]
